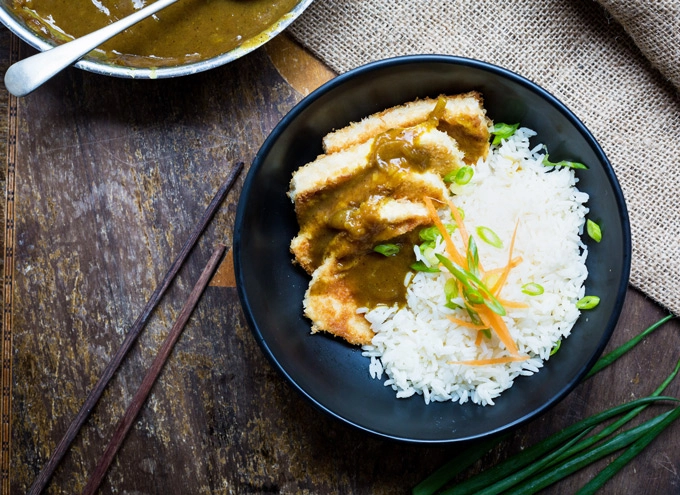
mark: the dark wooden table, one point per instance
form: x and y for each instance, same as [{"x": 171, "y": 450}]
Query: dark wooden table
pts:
[{"x": 104, "y": 181}]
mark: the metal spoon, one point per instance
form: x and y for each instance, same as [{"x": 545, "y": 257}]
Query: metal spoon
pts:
[{"x": 27, "y": 75}]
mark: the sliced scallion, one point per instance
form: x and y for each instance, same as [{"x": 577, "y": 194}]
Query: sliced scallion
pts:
[
  {"x": 419, "y": 266},
  {"x": 387, "y": 249},
  {"x": 473, "y": 288},
  {"x": 464, "y": 175},
  {"x": 474, "y": 316},
  {"x": 533, "y": 289},
  {"x": 429, "y": 233},
  {"x": 451, "y": 289},
  {"x": 473, "y": 257},
  {"x": 594, "y": 230},
  {"x": 563, "y": 163},
  {"x": 588, "y": 302},
  {"x": 429, "y": 255},
  {"x": 489, "y": 236},
  {"x": 450, "y": 177},
  {"x": 502, "y": 131},
  {"x": 556, "y": 348},
  {"x": 473, "y": 295},
  {"x": 425, "y": 245}
]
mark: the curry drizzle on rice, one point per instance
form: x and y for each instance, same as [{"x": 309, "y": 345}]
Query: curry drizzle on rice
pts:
[{"x": 367, "y": 190}]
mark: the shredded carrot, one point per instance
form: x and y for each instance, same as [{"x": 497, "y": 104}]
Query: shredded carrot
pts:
[
  {"x": 466, "y": 324},
  {"x": 486, "y": 362},
  {"x": 499, "y": 271},
  {"x": 504, "y": 276},
  {"x": 450, "y": 247},
  {"x": 464, "y": 235},
  {"x": 489, "y": 318},
  {"x": 496, "y": 323},
  {"x": 512, "y": 304}
]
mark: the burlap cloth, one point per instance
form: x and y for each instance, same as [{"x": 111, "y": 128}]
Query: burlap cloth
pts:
[{"x": 614, "y": 63}]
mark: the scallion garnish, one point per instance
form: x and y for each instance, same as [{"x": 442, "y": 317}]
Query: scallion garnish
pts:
[
  {"x": 563, "y": 163},
  {"x": 612, "y": 356},
  {"x": 419, "y": 266},
  {"x": 387, "y": 249},
  {"x": 594, "y": 230},
  {"x": 532, "y": 289},
  {"x": 474, "y": 316},
  {"x": 473, "y": 295},
  {"x": 450, "y": 177},
  {"x": 588, "y": 302},
  {"x": 489, "y": 236},
  {"x": 464, "y": 175},
  {"x": 429, "y": 233},
  {"x": 450, "y": 289},
  {"x": 428, "y": 254},
  {"x": 556, "y": 348},
  {"x": 502, "y": 131},
  {"x": 567, "y": 450},
  {"x": 474, "y": 289},
  {"x": 473, "y": 257}
]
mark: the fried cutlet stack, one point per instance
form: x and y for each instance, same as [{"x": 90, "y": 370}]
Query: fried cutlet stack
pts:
[{"x": 458, "y": 137}]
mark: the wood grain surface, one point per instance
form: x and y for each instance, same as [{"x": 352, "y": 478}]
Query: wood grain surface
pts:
[{"x": 110, "y": 176}]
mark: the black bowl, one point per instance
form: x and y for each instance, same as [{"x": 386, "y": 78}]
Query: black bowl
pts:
[{"x": 334, "y": 375}]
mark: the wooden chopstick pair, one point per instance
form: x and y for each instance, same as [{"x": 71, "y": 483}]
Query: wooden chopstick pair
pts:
[{"x": 140, "y": 397}]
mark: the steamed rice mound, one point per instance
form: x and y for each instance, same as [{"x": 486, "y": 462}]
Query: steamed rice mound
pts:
[{"x": 414, "y": 346}]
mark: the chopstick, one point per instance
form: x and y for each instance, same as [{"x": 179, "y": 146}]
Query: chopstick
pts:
[
  {"x": 48, "y": 470},
  {"x": 151, "y": 375}
]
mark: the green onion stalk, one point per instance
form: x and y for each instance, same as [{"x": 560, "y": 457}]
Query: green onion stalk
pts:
[{"x": 568, "y": 450}]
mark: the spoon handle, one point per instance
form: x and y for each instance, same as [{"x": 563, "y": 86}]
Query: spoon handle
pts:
[{"x": 27, "y": 75}]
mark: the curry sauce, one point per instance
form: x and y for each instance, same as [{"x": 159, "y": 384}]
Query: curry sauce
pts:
[
  {"x": 345, "y": 222},
  {"x": 188, "y": 31},
  {"x": 370, "y": 193}
]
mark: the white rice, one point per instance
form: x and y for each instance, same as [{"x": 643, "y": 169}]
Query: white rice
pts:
[{"x": 414, "y": 346}]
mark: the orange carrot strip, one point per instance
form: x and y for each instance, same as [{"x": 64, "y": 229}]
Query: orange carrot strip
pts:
[
  {"x": 496, "y": 323},
  {"x": 499, "y": 271},
  {"x": 512, "y": 304},
  {"x": 501, "y": 329},
  {"x": 464, "y": 235},
  {"x": 466, "y": 324},
  {"x": 450, "y": 247},
  {"x": 506, "y": 272},
  {"x": 478, "y": 340},
  {"x": 486, "y": 362}
]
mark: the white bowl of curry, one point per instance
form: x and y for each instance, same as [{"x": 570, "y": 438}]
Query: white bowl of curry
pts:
[{"x": 188, "y": 37}]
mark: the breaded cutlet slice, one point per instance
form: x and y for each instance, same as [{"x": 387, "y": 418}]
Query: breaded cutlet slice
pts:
[
  {"x": 464, "y": 119},
  {"x": 335, "y": 168},
  {"x": 397, "y": 217},
  {"x": 334, "y": 309}
]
